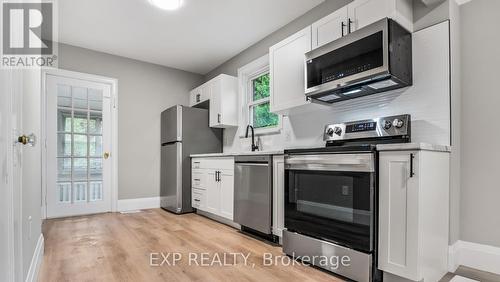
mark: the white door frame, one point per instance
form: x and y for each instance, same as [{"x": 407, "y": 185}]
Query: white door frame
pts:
[
  {"x": 8, "y": 150},
  {"x": 114, "y": 129}
]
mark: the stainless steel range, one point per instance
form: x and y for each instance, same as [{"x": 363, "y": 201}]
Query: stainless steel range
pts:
[{"x": 331, "y": 196}]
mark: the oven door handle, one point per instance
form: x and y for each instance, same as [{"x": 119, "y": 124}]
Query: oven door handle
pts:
[
  {"x": 332, "y": 162},
  {"x": 340, "y": 168}
]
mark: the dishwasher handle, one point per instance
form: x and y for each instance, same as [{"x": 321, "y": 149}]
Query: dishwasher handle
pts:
[{"x": 252, "y": 164}]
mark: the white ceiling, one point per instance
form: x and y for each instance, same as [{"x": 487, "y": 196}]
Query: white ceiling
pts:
[{"x": 198, "y": 37}]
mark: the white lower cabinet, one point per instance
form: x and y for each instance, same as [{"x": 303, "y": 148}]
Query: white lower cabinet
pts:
[
  {"x": 226, "y": 187},
  {"x": 213, "y": 185},
  {"x": 278, "y": 195},
  {"x": 413, "y": 214}
]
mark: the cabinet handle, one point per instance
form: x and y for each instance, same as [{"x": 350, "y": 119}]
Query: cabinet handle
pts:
[
  {"x": 218, "y": 118},
  {"x": 198, "y": 98},
  {"x": 196, "y": 179},
  {"x": 349, "y": 22},
  {"x": 218, "y": 176},
  {"x": 342, "y": 25},
  {"x": 196, "y": 200},
  {"x": 412, "y": 173}
]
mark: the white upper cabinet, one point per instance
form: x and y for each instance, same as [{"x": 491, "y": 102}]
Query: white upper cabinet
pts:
[
  {"x": 195, "y": 97},
  {"x": 358, "y": 14},
  {"x": 329, "y": 28},
  {"x": 287, "y": 71},
  {"x": 365, "y": 12},
  {"x": 222, "y": 92},
  {"x": 223, "y": 101}
]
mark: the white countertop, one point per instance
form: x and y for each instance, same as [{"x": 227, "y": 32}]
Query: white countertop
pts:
[
  {"x": 232, "y": 154},
  {"x": 413, "y": 146},
  {"x": 380, "y": 147}
]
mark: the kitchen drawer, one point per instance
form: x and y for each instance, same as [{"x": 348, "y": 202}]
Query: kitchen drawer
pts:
[
  {"x": 196, "y": 163},
  {"x": 217, "y": 163},
  {"x": 198, "y": 199},
  {"x": 198, "y": 179}
]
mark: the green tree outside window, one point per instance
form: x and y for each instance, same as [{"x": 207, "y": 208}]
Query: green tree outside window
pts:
[{"x": 262, "y": 117}]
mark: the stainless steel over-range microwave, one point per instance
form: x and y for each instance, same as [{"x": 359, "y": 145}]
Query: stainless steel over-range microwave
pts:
[{"x": 374, "y": 59}]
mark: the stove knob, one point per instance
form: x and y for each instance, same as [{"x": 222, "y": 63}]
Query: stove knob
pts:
[
  {"x": 387, "y": 125},
  {"x": 337, "y": 130},
  {"x": 329, "y": 131},
  {"x": 398, "y": 123}
]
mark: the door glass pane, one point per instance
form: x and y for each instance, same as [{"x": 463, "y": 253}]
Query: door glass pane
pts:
[
  {"x": 64, "y": 120},
  {"x": 80, "y": 145},
  {"x": 95, "y": 99},
  {"x": 64, "y": 169},
  {"x": 80, "y": 100},
  {"x": 80, "y": 169},
  {"x": 64, "y": 190},
  {"x": 64, "y": 96},
  {"x": 95, "y": 146},
  {"x": 80, "y": 122},
  {"x": 64, "y": 145},
  {"x": 95, "y": 190},
  {"x": 95, "y": 123},
  {"x": 80, "y": 190},
  {"x": 96, "y": 169}
]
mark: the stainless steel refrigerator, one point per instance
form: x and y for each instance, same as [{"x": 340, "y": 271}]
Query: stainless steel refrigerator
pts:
[{"x": 184, "y": 131}]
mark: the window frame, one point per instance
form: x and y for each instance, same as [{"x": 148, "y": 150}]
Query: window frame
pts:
[{"x": 246, "y": 75}]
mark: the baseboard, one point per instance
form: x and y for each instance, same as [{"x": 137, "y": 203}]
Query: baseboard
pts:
[
  {"x": 138, "y": 204},
  {"x": 36, "y": 261},
  {"x": 473, "y": 255}
]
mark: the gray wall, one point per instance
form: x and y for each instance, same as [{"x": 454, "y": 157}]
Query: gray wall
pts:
[
  {"x": 480, "y": 195},
  {"x": 262, "y": 47},
  {"x": 144, "y": 91}
]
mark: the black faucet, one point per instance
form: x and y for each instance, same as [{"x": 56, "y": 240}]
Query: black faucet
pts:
[{"x": 254, "y": 147}]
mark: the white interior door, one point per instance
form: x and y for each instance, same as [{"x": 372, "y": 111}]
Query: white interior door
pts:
[
  {"x": 78, "y": 124},
  {"x": 6, "y": 188},
  {"x": 13, "y": 231}
]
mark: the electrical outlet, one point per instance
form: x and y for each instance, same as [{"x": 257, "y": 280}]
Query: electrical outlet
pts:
[{"x": 288, "y": 136}]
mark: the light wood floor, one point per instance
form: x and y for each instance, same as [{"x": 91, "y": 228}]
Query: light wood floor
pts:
[{"x": 117, "y": 247}]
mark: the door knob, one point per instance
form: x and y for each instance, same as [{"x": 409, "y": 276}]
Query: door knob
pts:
[
  {"x": 106, "y": 155},
  {"x": 29, "y": 140}
]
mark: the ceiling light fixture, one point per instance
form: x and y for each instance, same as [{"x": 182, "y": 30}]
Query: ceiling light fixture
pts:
[{"x": 167, "y": 4}]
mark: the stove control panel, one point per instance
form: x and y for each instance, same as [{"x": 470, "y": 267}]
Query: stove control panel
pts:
[{"x": 384, "y": 127}]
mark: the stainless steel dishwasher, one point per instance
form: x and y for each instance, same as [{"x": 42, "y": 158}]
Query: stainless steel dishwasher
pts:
[{"x": 253, "y": 194}]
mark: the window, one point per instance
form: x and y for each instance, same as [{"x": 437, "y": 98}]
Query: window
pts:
[
  {"x": 254, "y": 80},
  {"x": 260, "y": 116}
]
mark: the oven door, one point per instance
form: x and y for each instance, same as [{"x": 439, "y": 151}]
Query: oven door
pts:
[{"x": 331, "y": 197}]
